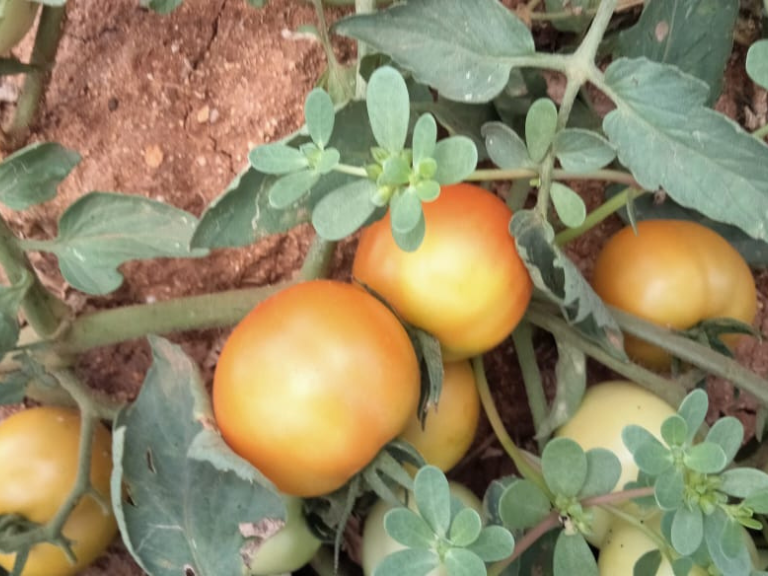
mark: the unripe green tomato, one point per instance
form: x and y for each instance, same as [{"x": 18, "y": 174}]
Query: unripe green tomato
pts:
[
  {"x": 16, "y": 18},
  {"x": 377, "y": 544},
  {"x": 605, "y": 411},
  {"x": 288, "y": 549}
]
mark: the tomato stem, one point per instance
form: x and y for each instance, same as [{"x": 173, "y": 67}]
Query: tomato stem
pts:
[
  {"x": 598, "y": 215},
  {"x": 524, "y": 466},
  {"x": 568, "y": 14},
  {"x": 534, "y": 387},
  {"x": 317, "y": 262},
  {"x": 558, "y": 174}
]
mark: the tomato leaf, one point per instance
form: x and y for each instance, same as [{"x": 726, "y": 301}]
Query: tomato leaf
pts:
[
  {"x": 470, "y": 63},
  {"x": 582, "y": 150},
  {"x": 102, "y": 230},
  {"x": 580, "y": 20},
  {"x": 523, "y": 505},
  {"x": 726, "y": 169},
  {"x": 573, "y": 556},
  {"x": 568, "y": 204},
  {"x": 31, "y": 175},
  {"x": 389, "y": 108},
  {"x": 183, "y": 513},
  {"x": 319, "y": 116},
  {"x": 540, "y": 128},
  {"x": 564, "y": 465},
  {"x": 13, "y": 388},
  {"x": 11, "y": 298},
  {"x": 603, "y": 473},
  {"x": 757, "y": 63},
  {"x": 505, "y": 148},
  {"x": 571, "y": 382},
  {"x": 694, "y": 35}
]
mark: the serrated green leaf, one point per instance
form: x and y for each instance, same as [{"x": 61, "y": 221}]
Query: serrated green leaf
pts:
[
  {"x": 410, "y": 562},
  {"x": 408, "y": 528},
  {"x": 493, "y": 544},
  {"x": 564, "y": 465},
  {"x": 463, "y": 562},
  {"x": 395, "y": 172},
  {"x": 482, "y": 38},
  {"x": 728, "y": 433},
  {"x": 389, "y": 108},
  {"x": 573, "y": 556},
  {"x": 687, "y": 530},
  {"x": 424, "y": 138},
  {"x": 193, "y": 511},
  {"x": 456, "y": 159},
  {"x": 344, "y": 210},
  {"x": 603, "y": 472},
  {"x": 328, "y": 160},
  {"x": 31, "y": 175},
  {"x": 693, "y": 409},
  {"x": 579, "y": 8},
  {"x": 540, "y": 128},
  {"x": 411, "y": 240},
  {"x": 433, "y": 498},
  {"x": 706, "y": 458},
  {"x": 11, "y": 298},
  {"x": 569, "y": 205},
  {"x": 465, "y": 528},
  {"x": 290, "y": 188},
  {"x": 582, "y": 151},
  {"x": 571, "y": 383},
  {"x": 277, "y": 159},
  {"x": 319, "y": 116},
  {"x": 648, "y": 564},
  {"x": 742, "y": 482},
  {"x": 669, "y": 489},
  {"x": 523, "y": 505},
  {"x": 674, "y": 430},
  {"x": 757, "y": 63},
  {"x": 406, "y": 211},
  {"x": 726, "y": 171},
  {"x": 505, "y": 148},
  {"x": 696, "y": 36},
  {"x": 653, "y": 458},
  {"x": 161, "y": 6},
  {"x": 102, "y": 230}
]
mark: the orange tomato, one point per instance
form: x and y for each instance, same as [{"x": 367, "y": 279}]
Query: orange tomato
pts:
[
  {"x": 675, "y": 274},
  {"x": 313, "y": 383},
  {"x": 465, "y": 284}
]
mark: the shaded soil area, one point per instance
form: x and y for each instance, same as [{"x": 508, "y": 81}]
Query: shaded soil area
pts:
[{"x": 168, "y": 107}]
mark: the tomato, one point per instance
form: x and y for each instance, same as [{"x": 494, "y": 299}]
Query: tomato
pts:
[
  {"x": 313, "y": 383},
  {"x": 39, "y": 452},
  {"x": 377, "y": 544},
  {"x": 465, "y": 284},
  {"x": 675, "y": 274},
  {"x": 288, "y": 549},
  {"x": 604, "y": 412},
  {"x": 450, "y": 426},
  {"x": 16, "y": 18}
]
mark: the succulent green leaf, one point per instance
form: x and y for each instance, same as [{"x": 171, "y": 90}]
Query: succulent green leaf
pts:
[
  {"x": 743, "y": 482},
  {"x": 463, "y": 562},
  {"x": 564, "y": 465},
  {"x": 582, "y": 150},
  {"x": 693, "y": 409},
  {"x": 319, "y": 116},
  {"x": 669, "y": 489},
  {"x": 492, "y": 498},
  {"x": 718, "y": 529},
  {"x": 757, "y": 501},
  {"x": 433, "y": 498},
  {"x": 406, "y": 211},
  {"x": 505, "y": 148},
  {"x": 603, "y": 472},
  {"x": 680, "y": 567},
  {"x": 389, "y": 108},
  {"x": 408, "y": 528},
  {"x": 465, "y": 528},
  {"x": 674, "y": 430},
  {"x": 344, "y": 210},
  {"x": 396, "y": 171},
  {"x": 424, "y": 138},
  {"x": 289, "y": 188},
  {"x": 540, "y": 128},
  {"x": 465, "y": 50},
  {"x": 573, "y": 556},
  {"x": 426, "y": 168},
  {"x": 493, "y": 544},
  {"x": 277, "y": 159},
  {"x": 411, "y": 240},
  {"x": 653, "y": 458},
  {"x": 327, "y": 161},
  {"x": 523, "y": 505},
  {"x": 757, "y": 63},
  {"x": 728, "y": 433},
  {"x": 427, "y": 190},
  {"x": 687, "y": 530},
  {"x": 635, "y": 436},
  {"x": 707, "y": 458},
  {"x": 648, "y": 564},
  {"x": 569, "y": 205},
  {"x": 409, "y": 562},
  {"x": 456, "y": 159}
]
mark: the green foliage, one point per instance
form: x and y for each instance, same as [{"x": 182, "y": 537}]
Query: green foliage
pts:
[
  {"x": 571, "y": 383},
  {"x": 581, "y": 18},
  {"x": 11, "y": 298},
  {"x": 757, "y": 63},
  {"x": 568, "y": 204},
  {"x": 582, "y": 151},
  {"x": 540, "y": 128},
  {"x": 187, "y": 510},
  {"x": 505, "y": 148}
]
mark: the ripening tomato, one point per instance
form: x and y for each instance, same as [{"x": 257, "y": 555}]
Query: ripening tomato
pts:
[
  {"x": 605, "y": 411},
  {"x": 16, "y": 18},
  {"x": 313, "y": 383},
  {"x": 39, "y": 452},
  {"x": 465, "y": 284},
  {"x": 676, "y": 274},
  {"x": 451, "y": 425}
]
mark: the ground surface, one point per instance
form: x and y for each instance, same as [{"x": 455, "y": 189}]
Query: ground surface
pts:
[{"x": 168, "y": 107}]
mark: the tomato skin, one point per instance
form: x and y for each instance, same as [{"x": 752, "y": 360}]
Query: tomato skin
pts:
[
  {"x": 17, "y": 19},
  {"x": 675, "y": 274},
  {"x": 465, "y": 284},
  {"x": 451, "y": 425},
  {"x": 39, "y": 451},
  {"x": 606, "y": 409},
  {"x": 313, "y": 383}
]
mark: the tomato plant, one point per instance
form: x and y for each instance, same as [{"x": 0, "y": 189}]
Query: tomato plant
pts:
[
  {"x": 465, "y": 284},
  {"x": 673, "y": 273},
  {"x": 313, "y": 383},
  {"x": 450, "y": 426},
  {"x": 39, "y": 448}
]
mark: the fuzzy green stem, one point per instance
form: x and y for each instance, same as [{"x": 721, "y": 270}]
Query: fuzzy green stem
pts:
[
  {"x": 598, "y": 215},
  {"x": 558, "y": 174},
  {"x": 47, "y": 40},
  {"x": 351, "y": 170},
  {"x": 524, "y": 466},
  {"x": 534, "y": 387},
  {"x": 317, "y": 262}
]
